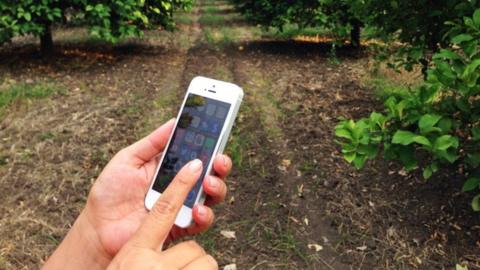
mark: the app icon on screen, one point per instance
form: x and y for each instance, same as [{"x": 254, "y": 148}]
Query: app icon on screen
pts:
[
  {"x": 174, "y": 147},
  {"x": 199, "y": 140},
  {"x": 221, "y": 112},
  {"x": 191, "y": 196},
  {"x": 209, "y": 143},
  {"x": 190, "y": 136},
  {"x": 193, "y": 155},
  {"x": 210, "y": 109},
  {"x": 215, "y": 127},
  {"x": 204, "y": 157},
  {"x": 178, "y": 166},
  {"x": 204, "y": 126},
  {"x": 184, "y": 153},
  {"x": 195, "y": 121},
  {"x": 179, "y": 134}
]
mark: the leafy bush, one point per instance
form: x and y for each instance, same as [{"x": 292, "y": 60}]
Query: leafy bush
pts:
[
  {"x": 110, "y": 20},
  {"x": 418, "y": 25},
  {"x": 439, "y": 121},
  {"x": 336, "y": 15}
]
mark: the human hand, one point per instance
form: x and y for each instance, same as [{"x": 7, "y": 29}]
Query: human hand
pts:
[
  {"x": 115, "y": 206},
  {"x": 144, "y": 250}
]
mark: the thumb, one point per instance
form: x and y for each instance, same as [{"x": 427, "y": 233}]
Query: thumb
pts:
[{"x": 156, "y": 227}]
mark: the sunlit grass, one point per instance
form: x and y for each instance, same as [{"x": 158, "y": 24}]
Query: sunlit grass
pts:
[{"x": 14, "y": 92}]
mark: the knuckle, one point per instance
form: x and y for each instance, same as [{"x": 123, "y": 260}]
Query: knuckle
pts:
[
  {"x": 194, "y": 246},
  {"x": 184, "y": 178},
  {"x": 212, "y": 262},
  {"x": 164, "y": 207}
]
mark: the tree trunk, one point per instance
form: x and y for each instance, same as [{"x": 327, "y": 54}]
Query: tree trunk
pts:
[
  {"x": 355, "y": 33},
  {"x": 46, "y": 40}
]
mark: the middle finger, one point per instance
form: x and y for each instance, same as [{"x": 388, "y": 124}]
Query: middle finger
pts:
[{"x": 215, "y": 188}]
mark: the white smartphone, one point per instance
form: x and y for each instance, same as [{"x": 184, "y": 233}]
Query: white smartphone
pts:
[{"x": 201, "y": 131}]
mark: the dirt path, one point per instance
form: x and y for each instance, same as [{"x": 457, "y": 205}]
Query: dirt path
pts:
[{"x": 290, "y": 192}]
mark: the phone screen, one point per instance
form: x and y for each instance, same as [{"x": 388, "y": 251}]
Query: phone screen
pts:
[{"x": 195, "y": 136}]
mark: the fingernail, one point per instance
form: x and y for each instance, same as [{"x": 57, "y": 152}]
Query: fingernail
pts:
[
  {"x": 201, "y": 211},
  {"x": 212, "y": 182},
  {"x": 224, "y": 161},
  {"x": 195, "y": 165}
]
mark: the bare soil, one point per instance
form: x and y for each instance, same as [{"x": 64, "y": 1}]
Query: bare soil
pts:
[{"x": 290, "y": 191}]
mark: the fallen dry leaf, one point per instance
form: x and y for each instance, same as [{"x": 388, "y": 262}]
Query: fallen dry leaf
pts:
[
  {"x": 362, "y": 248},
  {"x": 300, "y": 190},
  {"x": 228, "y": 234},
  {"x": 316, "y": 247},
  {"x": 230, "y": 267}
]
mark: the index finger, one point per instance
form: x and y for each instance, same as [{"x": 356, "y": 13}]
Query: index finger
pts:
[{"x": 156, "y": 227}]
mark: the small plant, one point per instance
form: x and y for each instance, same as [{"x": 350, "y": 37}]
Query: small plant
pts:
[
  {"x": 209, "y": 19},
  {"x": 25, "y": 91},
  {"x": 440, "y": 120}
]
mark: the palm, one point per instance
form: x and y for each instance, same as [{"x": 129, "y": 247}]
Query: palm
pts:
[
  {"x": 117, "y": 203},
  {"x": 117, "y": 200},
  {"x": 115, "y": 206}
]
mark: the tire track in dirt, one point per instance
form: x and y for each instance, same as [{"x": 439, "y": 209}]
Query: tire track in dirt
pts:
[
  {"x": 259, "y": 205},
  {"x": 252, "y": 208},
  {"x": 304, "y": 223}
]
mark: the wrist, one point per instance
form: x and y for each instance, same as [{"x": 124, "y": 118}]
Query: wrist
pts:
[{"x": 80, "y": 249}]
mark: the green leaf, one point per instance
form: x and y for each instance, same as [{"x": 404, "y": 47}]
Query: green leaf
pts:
[
  {"x": 407, "y": 157},
  {"x": 448, "y": 54},
  {"x": 450, "y": 156},
  {"x": 349, "y": 157},
  {"x": 444, "y": 142},
  {"x": 27, "y": 16},
  {"x": 476, "y": 18},
  {"x": 473, "y": 159},
  {"x": 459, "y": 267},
  {"x": 427, "y": 123},
  {"x": 461, "y": 38},
  {"x": 445, "y": 124},
  {"x": 359, "y": 162},
  {"x": 406, "y": 137},
  {"x": 476, "y": 203},
  {"x": 343, "y": 133},
  {"x": 427, "y": 172},
  {"x": 471, "y": 184},
  {"x": 471, "y": 68},
  {"x": 475, "y": 133}
]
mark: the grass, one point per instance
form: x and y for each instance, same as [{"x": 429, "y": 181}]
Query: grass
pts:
[
  {"x": 288, "y": 244},
  {"x": 292, "y": 30},
  {"x": 385, "y": 87},
  {"x": 209, "y": 19},
  {"x": 46, "y": 136},
  {"x": 219, "y": 37},
  {"x": 208, "y": 239},
  {"x": 3, "y": 160},
  {"x": 18, "y": 91},
  {"x": 210, "y": 9},
  {"x": 387, "y": 82},
  {"x": 183, "y": 18}
]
